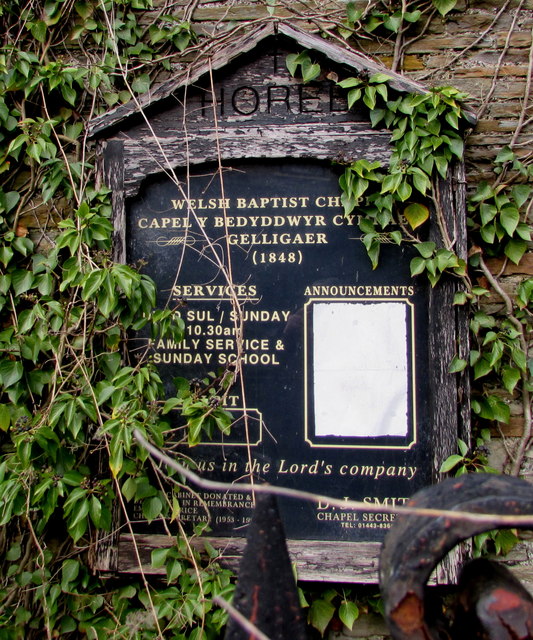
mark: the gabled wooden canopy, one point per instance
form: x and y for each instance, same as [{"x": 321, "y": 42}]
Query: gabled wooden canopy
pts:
[{"x": 222, "y": 56}]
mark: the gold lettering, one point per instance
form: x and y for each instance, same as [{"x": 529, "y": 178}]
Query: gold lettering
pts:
[
  {"x": 359, "y": 290},
  {"x": 389, "y": 501},
  {"x": 276, "y": 238}
]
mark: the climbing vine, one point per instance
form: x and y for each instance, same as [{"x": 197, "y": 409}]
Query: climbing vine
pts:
[
  {"x": 395, "y": 201},
  {"x": 425, "y": 129},
  {"x": 71, "y": 398},
  {"x": 71, "y": 395},
  {"x": 428, "y": 132}
]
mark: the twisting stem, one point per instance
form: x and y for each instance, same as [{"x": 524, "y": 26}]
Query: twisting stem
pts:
[
  {"x": 525, "y": 438},
  {"x": 492, "y": 89}
]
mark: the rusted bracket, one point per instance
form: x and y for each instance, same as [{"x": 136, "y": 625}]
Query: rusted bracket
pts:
[
  {"x": 492, "y": 604},
  {"x": 266, "y": 592},
  {"x": 415, "y": 544}
]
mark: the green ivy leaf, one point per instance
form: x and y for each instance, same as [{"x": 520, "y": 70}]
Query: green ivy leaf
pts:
[
  {"x": 348, "y": 613},
  {"x": 116, "y": 460},
  {"x": 456, "y": 146},
  {"x": 141, "y": 84},
  {"x": 369, "y": 97},
  {"x": 21, "y": 280},
  {"x": 92, "y": 283},
  {"x": 353, "y": 13},
  {"x": 195, "y": 430},
  {"x": 376, "y": 115},
  {"x": 14, "y": 552},
  {"x": 463, "y": 447},
  {"x": 159, "y": 557},
  {"x": 487, "y": 212},
  {"x": 442, "y": 166},
  {"x": 521, "y": 193},
  {"x": 421, "y": 182},
  {"x": 69, "y": 572},
  {"x": 9, "y": 200},
  {"x": 523, "y": 231},
  {"x": 6, "y": 253},
  {"x": 482, "y": 368},
  {"x": 11, "y": 371},
  {"x": 353, "y": 96},
  {"x": 174, "y": 569},
  {"x": 500, "y": 411},
  {"x": 425, "y": 249},
  {"x": 404, "y": 191},
  {"x": 515, "y": 250},
  {"x": 320, "y": 615},
  {"x": 452, "y": 119},
  {"x": 444, "y": 6},
  {"x": 412, "y": 16},
  {"x": 505, "y": 155},
  {"x": 457, "y": 364},
  {"x": 460, "y": 298},
  {"x": 152, "y": 508},
  {"x": 417, "y": 266},
  {"x": 379, "y": 78},
  {"x": 69, "y": 93},
  {"x": 310, "y": 72},
  {"x": 450, "y": 463},
  {"x": 5, "y": 417},
  {"x": 347, "y": 83},
  {"x": 416, "y": 214},
  {"x": 129, "y": 488},
  {"x": 509, "y": 219},
  {"x": 519, "y": 358},
  {"x": 38, "y": 30},
  {"x": 510, "y": 377},
  {"x": 95, "y": 511}
]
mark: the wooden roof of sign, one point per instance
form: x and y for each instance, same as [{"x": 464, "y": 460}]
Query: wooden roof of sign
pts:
[{"x": 219, "y": 57}]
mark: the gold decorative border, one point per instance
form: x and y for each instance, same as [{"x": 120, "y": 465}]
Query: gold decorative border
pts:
[{"x": 312, "y": 444}]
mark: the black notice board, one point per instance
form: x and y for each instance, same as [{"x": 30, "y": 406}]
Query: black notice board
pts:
[{"x": 334, "y": 395}]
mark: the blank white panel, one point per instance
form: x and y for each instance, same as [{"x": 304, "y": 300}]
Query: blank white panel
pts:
[{"x": 360, "y": 369}]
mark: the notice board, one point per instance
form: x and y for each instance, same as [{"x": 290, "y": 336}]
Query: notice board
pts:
[{"x": 228, "y": 194}]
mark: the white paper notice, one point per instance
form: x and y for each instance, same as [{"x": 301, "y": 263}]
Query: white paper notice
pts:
[{"x": 360, "y": 369}]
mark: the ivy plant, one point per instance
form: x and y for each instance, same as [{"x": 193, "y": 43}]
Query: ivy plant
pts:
[{"x": 70, "y": 396}]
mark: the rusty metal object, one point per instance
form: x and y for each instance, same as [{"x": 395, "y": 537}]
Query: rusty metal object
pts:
[
  {"x": 492, "y": 604},
  {"x": 266, "y": 592},
  {"x": 415, "y": 544}
]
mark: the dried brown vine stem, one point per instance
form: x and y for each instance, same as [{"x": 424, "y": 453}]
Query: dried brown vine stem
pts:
[
  {"x": 502, "y": 55},
  {"x": 41, "y": 564},
  {"x": 419, "y": 36},
  {"x": 397, "y": 56},
  {"x": 495, "y": 520},
  {"x": 237, "y": 307},
  {"x": 153, "y": 611},
  {"x": 525, "y": 438},
  {"x": 246, "y": 624},
  {"x": 522, "y": 122},
  {"x": 224, "y": 268},
  {"x": 479, "y": 39},
  {"x": 190, "y": 9}
]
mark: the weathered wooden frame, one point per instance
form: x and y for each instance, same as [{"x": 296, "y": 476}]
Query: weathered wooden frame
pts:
[{"x": 125, "y": 160}]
